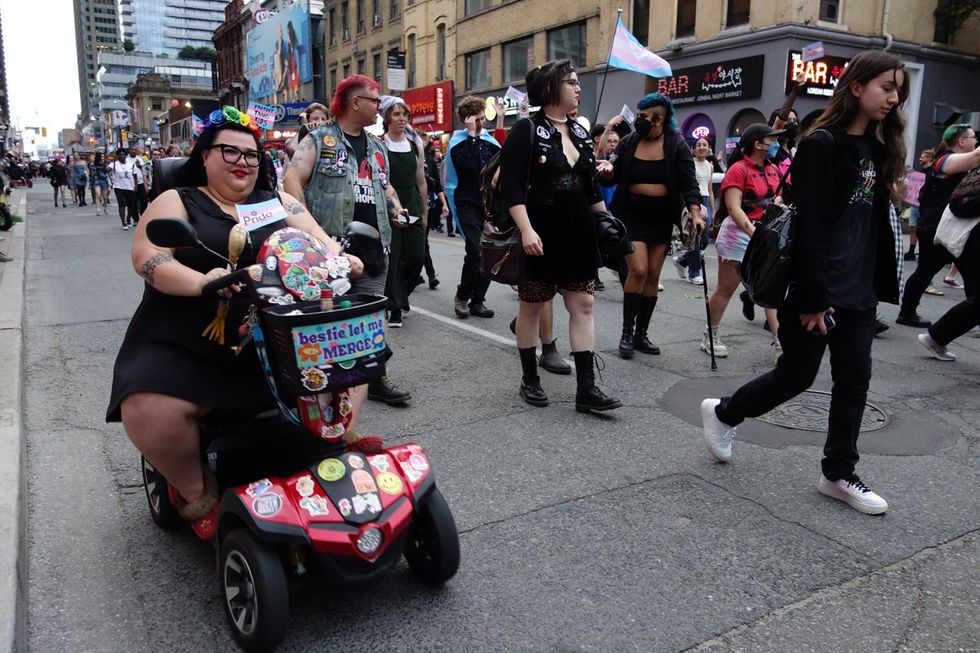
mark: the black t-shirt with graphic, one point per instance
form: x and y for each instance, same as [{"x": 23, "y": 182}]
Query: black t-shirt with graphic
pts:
[
  {"x": 853, "y": 244},
  {"x": 364, "y": 200}
]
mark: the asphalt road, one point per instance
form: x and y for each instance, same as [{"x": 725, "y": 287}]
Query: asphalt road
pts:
[{"x": 578, "y": 533}]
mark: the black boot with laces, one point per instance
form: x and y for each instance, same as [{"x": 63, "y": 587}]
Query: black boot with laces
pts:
[
  {"x": 631, "y": 302},
  {"x": 531, "y": 390},
  {"x": 589, "y": 397}
]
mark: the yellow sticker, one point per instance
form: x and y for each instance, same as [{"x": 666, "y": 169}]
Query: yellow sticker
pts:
[
  {"x": 331, "y": 469},
  {"x": 489, "y": 110},
  {"x": 389, "y": 483},
  {"x": 329, "y": 140}
]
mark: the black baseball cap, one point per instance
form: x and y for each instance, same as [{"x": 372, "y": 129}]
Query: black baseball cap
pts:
[{"x": 756, "y": 132}]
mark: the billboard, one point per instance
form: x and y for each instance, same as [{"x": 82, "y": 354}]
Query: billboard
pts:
[{"x": 279, "y": 56}]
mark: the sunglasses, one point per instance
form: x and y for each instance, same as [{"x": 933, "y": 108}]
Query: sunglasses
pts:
[
  {"x": 232, "y": 154},
  {"x": 376, "y": 100}
]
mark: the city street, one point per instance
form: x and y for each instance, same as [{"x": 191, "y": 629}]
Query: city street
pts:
[{"x": 578, "y": 532}]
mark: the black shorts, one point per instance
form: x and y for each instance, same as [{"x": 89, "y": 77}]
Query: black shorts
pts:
[{"x": 648, "y": 219}]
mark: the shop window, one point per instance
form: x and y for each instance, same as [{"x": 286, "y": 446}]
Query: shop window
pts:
[
  {"x": 478, "y": 69},
  {"x": 830, "y": 11},
  {"x": 686, "y": 13},
  {"x": 641, "y": 20},
  {"x": 473, "y": 6},
  {"x": 738, "y": 13},
  {"x": 518, "y": 56},
  {"x": 743, "y": 119},
  {"x": 567, "y": 43}
]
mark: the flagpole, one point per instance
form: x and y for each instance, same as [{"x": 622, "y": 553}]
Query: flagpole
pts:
[{"x": 598, "y": 103}]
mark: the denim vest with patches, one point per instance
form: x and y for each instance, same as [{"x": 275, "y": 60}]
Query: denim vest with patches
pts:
[{"x": 330, "y": 191}]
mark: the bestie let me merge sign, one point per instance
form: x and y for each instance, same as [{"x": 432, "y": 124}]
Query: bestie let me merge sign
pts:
[{"x": 321, "y": 344}]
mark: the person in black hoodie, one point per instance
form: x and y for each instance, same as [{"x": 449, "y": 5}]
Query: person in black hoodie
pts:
[
  {"x": 654, "y": 171},
  {"x": 845, "y": 261}
]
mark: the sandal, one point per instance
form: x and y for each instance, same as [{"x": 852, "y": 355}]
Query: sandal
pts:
[
  {"x": 202, "y": 513},
  {"x": 363, "y": 443}
]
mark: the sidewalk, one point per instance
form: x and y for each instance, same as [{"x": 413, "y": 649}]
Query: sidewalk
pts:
[{"x": 13, "y": 561}]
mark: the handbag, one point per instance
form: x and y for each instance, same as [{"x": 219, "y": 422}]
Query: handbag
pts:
[{"x": 767, "y": 264}]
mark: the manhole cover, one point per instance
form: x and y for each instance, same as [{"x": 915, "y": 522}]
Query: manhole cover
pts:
[{"x": 809, "y": 411}]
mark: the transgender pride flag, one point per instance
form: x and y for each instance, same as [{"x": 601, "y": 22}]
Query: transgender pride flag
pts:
[{"x": 628, "y": 54}]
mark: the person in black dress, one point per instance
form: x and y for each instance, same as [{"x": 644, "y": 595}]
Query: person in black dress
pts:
[
  {"x": 548, "y": 182},
  {"x": 167, "y": 374}
]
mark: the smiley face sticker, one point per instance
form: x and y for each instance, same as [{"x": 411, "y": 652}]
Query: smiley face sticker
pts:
[
  {"x": 331, "y": 469},
  {"x": 389, "y": 483}
]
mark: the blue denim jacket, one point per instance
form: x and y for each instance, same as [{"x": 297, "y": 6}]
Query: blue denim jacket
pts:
[{"x": 330, "y": 191}]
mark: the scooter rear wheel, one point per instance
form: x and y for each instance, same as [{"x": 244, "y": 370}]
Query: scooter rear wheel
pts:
[
  {"x": 432, "y": 549},
  {"x": 162, "y": 511},
  {"x": 254, "y": 591}
]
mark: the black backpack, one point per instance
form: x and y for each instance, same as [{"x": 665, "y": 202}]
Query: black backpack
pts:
[{"x": 494, "y": 212}]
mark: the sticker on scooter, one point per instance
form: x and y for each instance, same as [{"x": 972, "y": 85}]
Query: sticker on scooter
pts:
[
  {"x": 379, "y": 462},
  {"x": 389, "y": 483},
  {"x": 314, "y": 379},
  {"x": 418, "y": 462},
  {"x": 363, "y": 483},
  {"x": 258, "y": 487},
  {"x": 366, "y": 502},
  {"x": 410, "y": 473},
  {"x": 304, "y": 486},
  {"x": 267, "y": 505},
  {"x": 331, "y": 469},
  {"x": 344, "y": 507},
  {"x": 315, "y": 505},
  {"x": 356, "y": 462}
]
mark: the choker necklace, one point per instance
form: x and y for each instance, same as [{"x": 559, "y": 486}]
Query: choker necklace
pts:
[{"x": 559, "y": 121}]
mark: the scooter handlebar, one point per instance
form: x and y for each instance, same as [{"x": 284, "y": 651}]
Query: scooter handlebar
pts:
[{"x": 212, "y": 287}]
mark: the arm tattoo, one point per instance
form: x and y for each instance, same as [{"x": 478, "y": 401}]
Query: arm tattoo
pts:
[
  {"x": 307, "y": 143},
  {"x": 393, "y": 209},
  {"x": 149, "y": 268},
  {"x": 295, "y": 207}
]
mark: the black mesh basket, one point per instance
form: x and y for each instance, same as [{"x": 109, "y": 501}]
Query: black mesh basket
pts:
[{"x": 321, "y": 351}]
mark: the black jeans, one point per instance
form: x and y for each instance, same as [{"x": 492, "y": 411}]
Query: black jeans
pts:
[
  {"x": 850, "y": 369},
  {"x": 965, "y": 315},
  {"x": 932, "y": 259},
  {"x": 472, "y": 285},
  {"x": 430, "y": 269}
]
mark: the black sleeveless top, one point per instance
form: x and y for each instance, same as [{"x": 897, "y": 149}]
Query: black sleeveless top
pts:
[{"x": 164, "y": 352}]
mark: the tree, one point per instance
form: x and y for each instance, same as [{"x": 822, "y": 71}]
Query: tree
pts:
[
  {"x": 128, "y": 45},
  {"x": 203, "y": 53},
  {"x": 950, "y": 16}
]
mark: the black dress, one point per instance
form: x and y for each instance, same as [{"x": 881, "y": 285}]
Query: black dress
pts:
[
  {"x": 164, "y": 352},
  {"x": 557, "y": 197}
]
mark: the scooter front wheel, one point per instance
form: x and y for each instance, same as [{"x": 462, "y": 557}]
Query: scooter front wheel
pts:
[
  {"x": 162, "y": 511},
  {"x": 254, "y": 591},
  {"x": 432, "y": 549}
]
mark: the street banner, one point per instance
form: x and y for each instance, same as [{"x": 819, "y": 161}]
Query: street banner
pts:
[
  {"x": 263, "y": 114},
  {"x": 120, "y": 118},
  {"x": 278, "y": 54},
  {"x": 629, "y": 54},
  {"x": 515, "y": 95},
  {"x": 813, "y": 51},
  {"x": 627, "y": 114},
  {"x": 913, "y": 184}
]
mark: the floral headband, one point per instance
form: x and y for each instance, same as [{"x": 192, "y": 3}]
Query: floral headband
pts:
[{"x": 232, "y": 115}]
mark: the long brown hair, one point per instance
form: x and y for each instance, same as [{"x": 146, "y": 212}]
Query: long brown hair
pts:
[{"x": 844, "y": 107}]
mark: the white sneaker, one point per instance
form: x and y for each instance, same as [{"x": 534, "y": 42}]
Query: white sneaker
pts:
[
  {"x": 681, "y": 269},
  {"x": 938, "y": 351},
  {"x": 125, "y": 227},
  {"x": 854, "y": 493},
  {"x": 697, "y": 281},
  {"x": 721, "y": 351},
  {"x": 660, "y": 287},
  {"x": 718, "y": 436}
]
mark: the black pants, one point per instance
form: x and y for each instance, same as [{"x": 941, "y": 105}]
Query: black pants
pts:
[
  {"x": 932, "y": 259},
  {"x": 850, "y": 369},
  {"x": 965, "y": 315},
  {"x": 127, "y": 201},
  {"x": 430, "y": 269},
  {"x": 472, "y": 285}
]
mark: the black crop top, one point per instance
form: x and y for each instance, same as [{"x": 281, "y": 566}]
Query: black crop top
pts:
[{"x": 644, "y": 171}]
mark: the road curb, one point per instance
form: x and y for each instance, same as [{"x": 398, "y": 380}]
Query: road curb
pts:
[{"x": 13, "y": 510}]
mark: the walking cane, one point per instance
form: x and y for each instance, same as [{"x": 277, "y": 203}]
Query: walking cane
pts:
[{"x": 707, "y": 310}]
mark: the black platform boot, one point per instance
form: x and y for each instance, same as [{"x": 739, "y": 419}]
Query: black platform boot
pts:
[
  {"x": 631, "y": 302},
  {"x": 643, "y": 314},
  {"x": 588, "y": 397},
  {"x": 531, "y": 390}
]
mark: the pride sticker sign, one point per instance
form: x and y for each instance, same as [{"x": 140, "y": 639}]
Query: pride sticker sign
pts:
[{"x": 320, "y": 344}]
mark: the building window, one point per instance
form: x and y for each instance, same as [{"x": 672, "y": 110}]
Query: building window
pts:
[
  {"x": 332, "y": 26},
  {"x": 641, "y": 20},
  {"x": 473, "y": 6},
  {"x": 518, "y": 56},
  {"x": 440, "y": 52},
  {"x": 686, "y": 13},
  {"x": 361, "y": 66},
  {"x": 410, "y": 59},
  {"x": 346, "y": 71},
  {"x": 376, "y": 13},
  {"x": 333, "y": 80},
  {"x": 360, "y": 16},
  {"x": 830, "y": 11},
  {"x": 738, "y": 13},
  {"x": 567, "y": 43},
  {"x": 478, "y": 69},
  {"x": 394, "y": 9},
  {"x": 345, "y": 21},
  {"x": 377, "y": 67},
  {"x": 156, "y": 104}
]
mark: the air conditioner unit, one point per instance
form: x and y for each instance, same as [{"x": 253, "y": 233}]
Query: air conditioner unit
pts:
[{"x": 376, "y": 22}]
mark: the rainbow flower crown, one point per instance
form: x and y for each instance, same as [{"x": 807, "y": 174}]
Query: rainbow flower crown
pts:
[{"x": 228, "y": 114}]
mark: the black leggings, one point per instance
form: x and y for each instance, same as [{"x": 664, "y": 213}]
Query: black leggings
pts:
[
  {"x": 932, "y": 259},
  {"x": 965, "y": 315}
]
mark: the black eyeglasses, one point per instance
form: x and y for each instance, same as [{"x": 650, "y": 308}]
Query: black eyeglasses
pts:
[
  {"x": 232, "y": 154},
  {"x": 376, "y": 100}
]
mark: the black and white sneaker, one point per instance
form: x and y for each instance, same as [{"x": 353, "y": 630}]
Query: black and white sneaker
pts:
[
  {"x": 395, "y": 319},
  {"x": 853, "y": 492}
]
